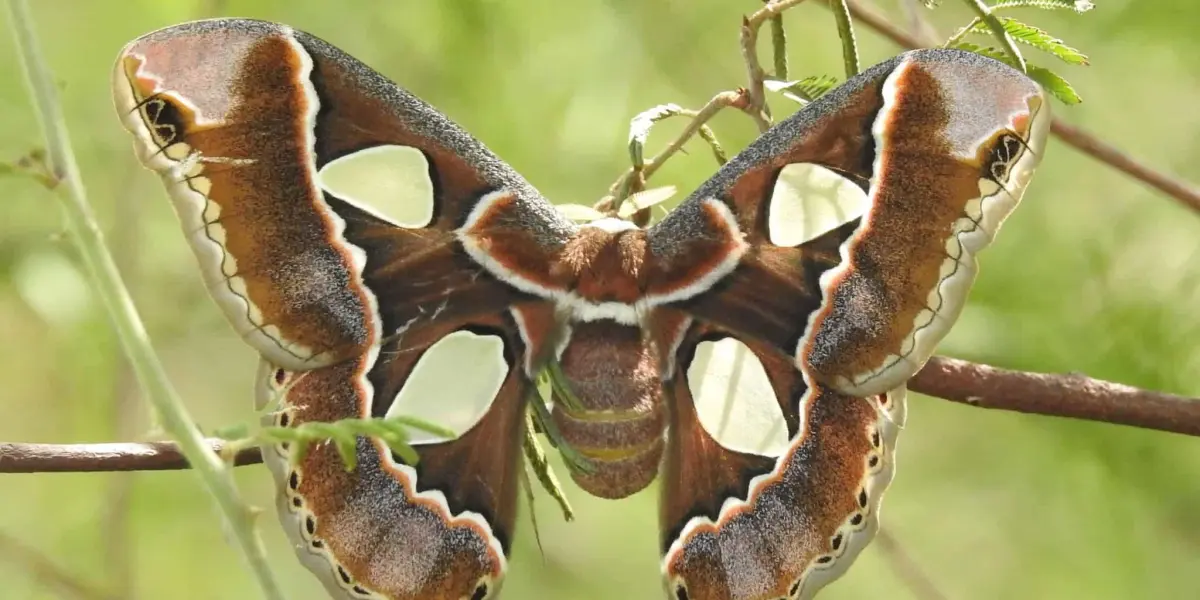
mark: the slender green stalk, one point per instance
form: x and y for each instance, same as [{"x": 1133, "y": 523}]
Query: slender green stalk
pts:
[
  {"x": 962, "y": 33},
  {"x": 85, "y": 230},
  {"x": 993, "y": 23},
  {"x": 841, "y": 15},
  {"x": 779, "y": 47}
]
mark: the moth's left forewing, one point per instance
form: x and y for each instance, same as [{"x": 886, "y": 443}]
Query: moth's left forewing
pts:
[
  {"x": 224, "y": 112},
  {"x": 265, "y": 136}
]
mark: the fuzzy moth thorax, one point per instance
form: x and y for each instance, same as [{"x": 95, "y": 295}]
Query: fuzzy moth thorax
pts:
[{"x": 604, "y": 261}]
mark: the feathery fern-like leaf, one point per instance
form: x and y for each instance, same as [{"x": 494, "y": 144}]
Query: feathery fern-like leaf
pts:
[
  {"x": 1038, "y": 38},
  {"x": 1051, "y": 81},
  {"x": 803, "y": 90},
  {"x": 1055, "y": 84},
  {"x": 988, "y": 51},
  {"x": 1079, "y": 6}
]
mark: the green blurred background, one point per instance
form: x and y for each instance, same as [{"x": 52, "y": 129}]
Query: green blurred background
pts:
[{"x": 1095, "y": 273}]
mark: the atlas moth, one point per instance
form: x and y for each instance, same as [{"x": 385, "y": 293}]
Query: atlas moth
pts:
[{"x": 750, "y": 349}]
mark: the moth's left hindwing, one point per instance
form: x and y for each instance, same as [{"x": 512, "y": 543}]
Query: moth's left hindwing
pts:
[
  {"x": 847, "y": 238},
  {"x": 387, "y": 530},
  {"x": 357, "y": 309}
]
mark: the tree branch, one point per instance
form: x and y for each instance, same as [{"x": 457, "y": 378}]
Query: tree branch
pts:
[
  {"x": 625, "y": 183},
  {"x": 122, "y": 456},
  {"x": 1085, "y": 142},
  {"x": 755, "y": 92},
  {"x": 1072, "y": 395}
]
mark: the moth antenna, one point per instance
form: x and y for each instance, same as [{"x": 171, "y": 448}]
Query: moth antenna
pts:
[
  {"x": 1025, "y": 144},
  {"x": 138, "y": 106}
]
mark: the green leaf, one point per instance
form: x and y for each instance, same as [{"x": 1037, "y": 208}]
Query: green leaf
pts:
[
  {"x": 804, "y": 90},
  {"x": 579, "y": 213},
  {"x": 544, "y": 422},
  {"x": 299, "y": 452},
  {"x": 562, "y": 390},
  {"x": 399, "y": 422},
  {"x": 1038, "y": 38},
  {"x": 639, "y": 129},
  {"x": 706, "y": 133},
  {"x": 1055, "y": 84},
  {"x": 988, "y": 51},
  {"x": 535, "y": 457},
  {"x": 347, "y": 450},
  {"x": 1079, "y": 6},
  {"x": 397, "y": 440},
  {"x": 232, "y": 432},
  {"x": 645, "y": 199}
]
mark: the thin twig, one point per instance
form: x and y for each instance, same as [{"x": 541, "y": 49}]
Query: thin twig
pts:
[
  {"x": 86, "y": 232},
  {"x": 907, "y": 568},
  {"x": 960, "y": 34},
  {"x": 639, "y": 130},
  {"x": 1179, "y": 189},
  {"x": 771, "y": 10},
  {"x": 779, "y": 48},
  {"x": 1112, "y": 156},
  {"x": 883, "y": 25},
  {"x": 752, "y": 101},
  {"x": 757, "y": 106},
  {"x": 702, "y": 116},
  {"x": 47, "y": 572},
  {"x": 918, "y": 19},
  {"x": 1072, "y": 395},
  {"x": 983, "y": 386},
  {"x": 993, "y": 23},
  {"x": 756, "y": 93}
]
